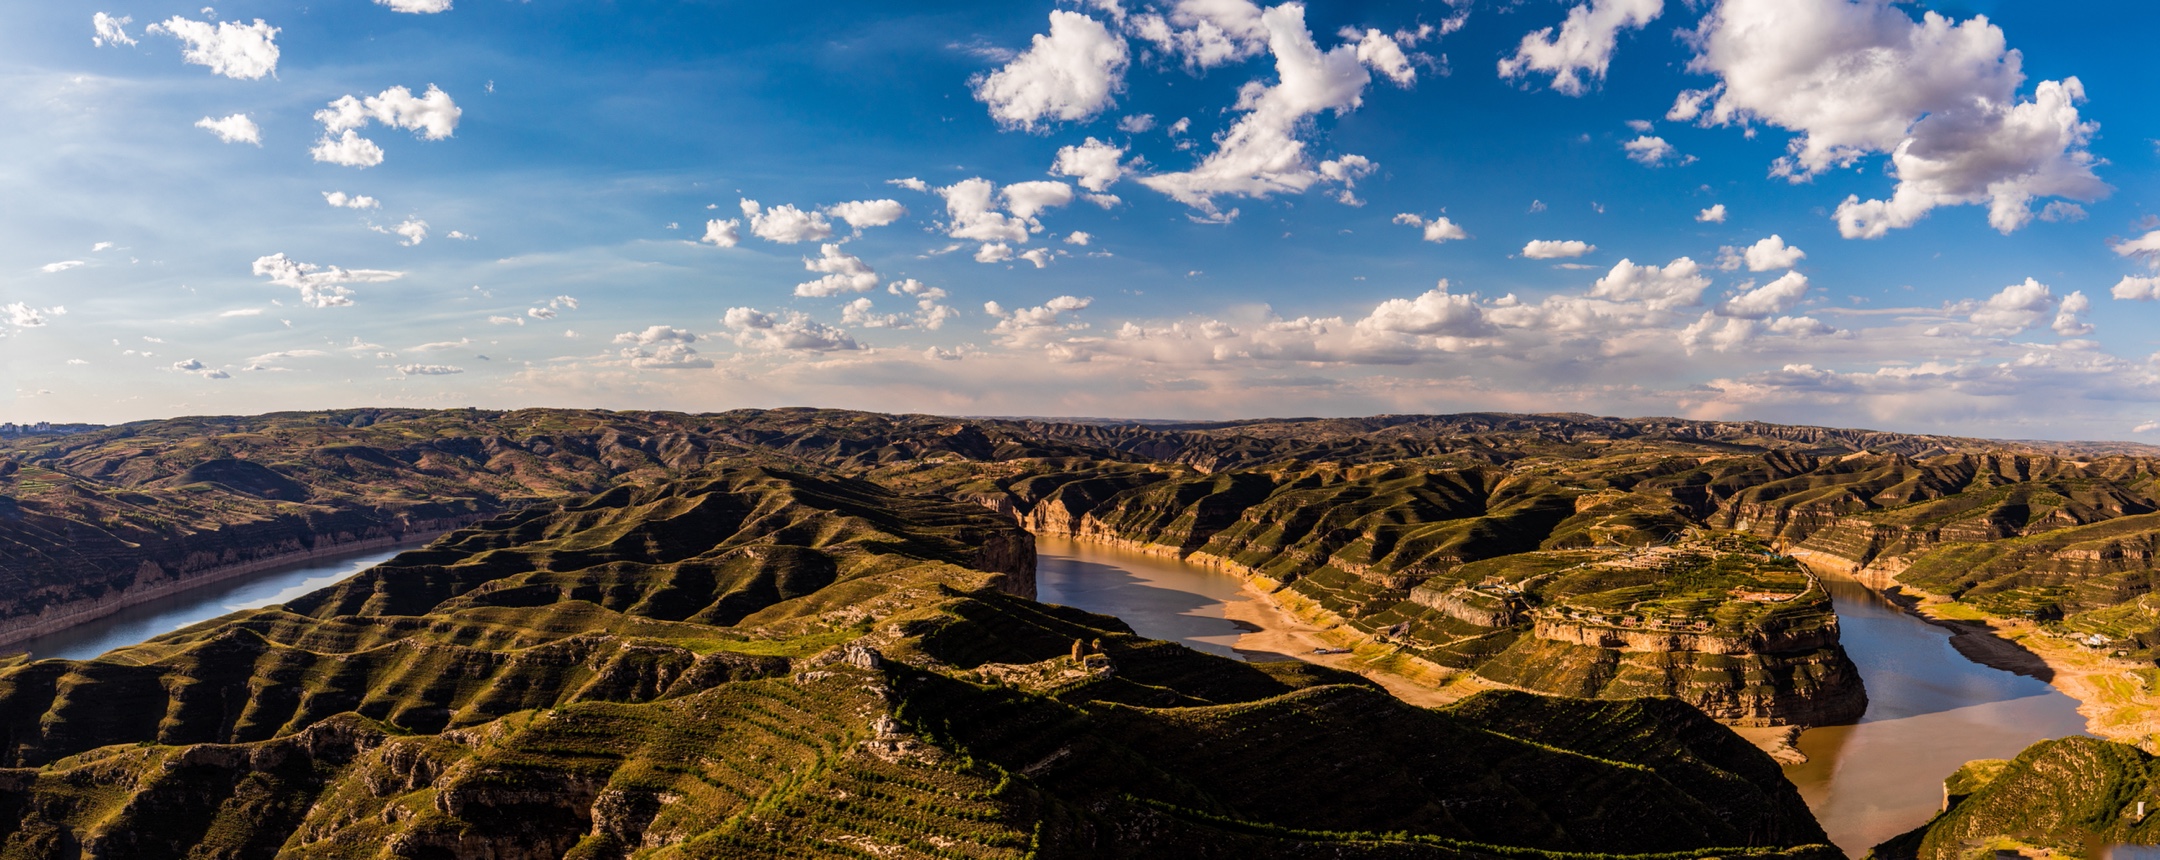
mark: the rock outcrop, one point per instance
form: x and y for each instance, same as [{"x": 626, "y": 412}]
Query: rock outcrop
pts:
[{"x": 759, "y": 662}]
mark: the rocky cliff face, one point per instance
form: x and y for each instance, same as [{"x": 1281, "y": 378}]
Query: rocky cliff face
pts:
[
  {"x": 1453, "y": 565},
  {"x": 765, "y": 663},
  {"x": 1660, "y": 641}
]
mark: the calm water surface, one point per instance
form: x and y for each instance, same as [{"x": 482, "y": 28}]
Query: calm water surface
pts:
[
  {"x": 1160, "y": 598},
  {"x": 167, "y": 614},
  {"x": 1929, "y": 709}
]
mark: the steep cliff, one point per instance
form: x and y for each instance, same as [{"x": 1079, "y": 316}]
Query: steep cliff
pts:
[
  {"x": 1524, "y": 577},
  {"x": 766, "y": 663}
]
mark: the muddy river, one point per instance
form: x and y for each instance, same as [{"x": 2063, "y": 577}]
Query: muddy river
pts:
[{"x": 1929, "y": 708}]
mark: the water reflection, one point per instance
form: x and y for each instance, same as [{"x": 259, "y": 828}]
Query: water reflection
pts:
[
  {"x": 1929, "y": 708},
  {"x": 1160, "y": 598},
  {"x": 1929, "y": 711},
  {"x": 143, "y": 621}
]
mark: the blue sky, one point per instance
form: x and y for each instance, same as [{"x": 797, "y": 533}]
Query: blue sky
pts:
[{"x": 1185, "y": 208}]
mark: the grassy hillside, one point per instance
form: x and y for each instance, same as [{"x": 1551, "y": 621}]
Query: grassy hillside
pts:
[
  {"x": 768, "y": 663},
  {"x": 2069, "y": 797}
]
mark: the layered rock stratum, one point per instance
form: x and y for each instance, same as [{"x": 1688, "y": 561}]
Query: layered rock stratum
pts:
[
  {"x": 758, "y": 662},
  {"x": 623, "y": 606}
]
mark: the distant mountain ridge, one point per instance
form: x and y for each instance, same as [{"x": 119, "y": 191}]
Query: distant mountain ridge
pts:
[
  {"x": 766, "y": 663},
  {"x": 1598, "y": 558}
]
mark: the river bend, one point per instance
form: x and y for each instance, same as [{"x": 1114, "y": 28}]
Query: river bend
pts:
[{"x": 1929, "y": 708}]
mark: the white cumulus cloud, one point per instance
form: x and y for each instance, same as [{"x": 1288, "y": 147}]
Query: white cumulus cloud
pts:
[
  {"x": 416, "y": 7},
  {"x": 973, "y": 212},
  {"x": 342, "y": 200},
  {"x": 844, "y": 273},
  {"x": 1262, "y": 154},
  {"x": 725, "y": 234},
  {"x": 1205, "y": 33},
  {"x": 1437, "y": 313},
  {"x": 1772, "y": 298},
  {"x": 1039, "y": 325},
  {"x": 1072, "y": 73},
  {"x": 1437, "y": 229},
  {"x": 1679, "y": 283},
  {"x": 2017, "y": 308},
  {"x": 413, "y": 230},
  {"x": 110, "y": 30},
  {"x": 2137, "y": 288},
  {"x": 1713, "y": 215},
  {"x": 319, "y": 286},
  {"x": 1549, "y": 249},
  {"x": 1939, "y": 96},
  {"x": 789, "y": 331},
  {"x": 348, "y": 149},
  {"x": 2146, "y": 247},
  {"x": 235, "y": 50},
  {"x": 21, "y": 315},
  {"x": 785, "y": 223},
  {"x": 2070, "y": 315},
  {"x": 433, "y": 115},
  {"x": 1765, "y": 255},
  {"x": 661, "y": 347},
  {"x": 1653, "y": 151},
  {"x": 860, "y": 214},
  {"x": 1027, "y": 200},
  {"x": 1582, "y": 49},
  {"x": 1094, "y": 164}
]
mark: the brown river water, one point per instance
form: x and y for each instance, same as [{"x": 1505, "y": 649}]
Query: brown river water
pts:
[{"x": 1929, "y": 710}]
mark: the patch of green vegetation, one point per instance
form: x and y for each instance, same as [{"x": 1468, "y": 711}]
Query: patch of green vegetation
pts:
[
  {"x": 765, "y": 663},
  {"x": 2069, "y": 797}
]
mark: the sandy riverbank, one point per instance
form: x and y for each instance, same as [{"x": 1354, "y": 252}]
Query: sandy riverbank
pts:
[
  {"x": 1281, "y": 625},
  {"x": 1277, "y": 631},
  {"x": 62, "y": 617},
  {"x": 2115, "y": 696}
]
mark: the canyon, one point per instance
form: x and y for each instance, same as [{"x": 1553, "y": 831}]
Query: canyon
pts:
[{"x": 1651, "y": 574}]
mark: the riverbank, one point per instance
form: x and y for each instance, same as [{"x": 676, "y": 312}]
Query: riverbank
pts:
[
  {"x": 2116, "y": 697},
  {"x": 59, "y": 619},
  {"x": 1277, "y": 630},
  {"x": 1283, "y": 624}
]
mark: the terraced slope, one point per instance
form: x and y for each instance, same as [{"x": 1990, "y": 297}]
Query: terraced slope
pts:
[
  {"x": 91, "y": 521},
  {"x": 765, "y": 663},
  {"x": 1517, "y": 576},
  {"x": 2068, "y": 797}
]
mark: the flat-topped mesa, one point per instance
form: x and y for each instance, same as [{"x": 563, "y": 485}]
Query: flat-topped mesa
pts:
[
  {"x": 1719, "y": 622},
  {"x": 1481, "y": 606},
  {"x": 1699, "y": 596},
  {"x": 1659, "y": 637},
  {"x": 760, "y": 662},
  {"x": 1517, "y": 576}
]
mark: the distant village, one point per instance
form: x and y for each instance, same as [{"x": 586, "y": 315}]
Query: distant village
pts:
[{"x": 45, "y": 428}]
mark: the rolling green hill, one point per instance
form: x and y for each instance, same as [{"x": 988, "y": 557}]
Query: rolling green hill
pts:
[
  {"x": 764, "y": 663},
  {"x": 2071, "y": 796}
]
